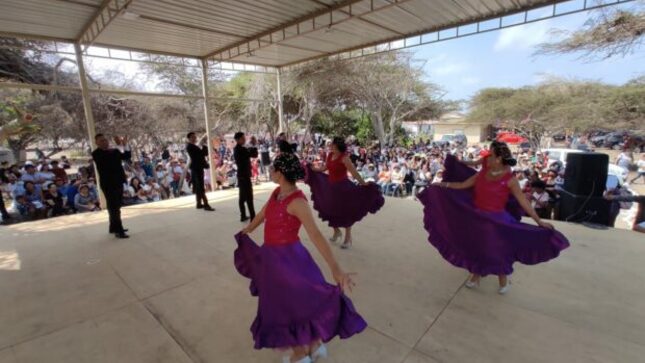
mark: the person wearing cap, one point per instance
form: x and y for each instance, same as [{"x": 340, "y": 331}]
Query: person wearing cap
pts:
[
  {"x": 112, "y": 177},
  {"x": 198, "y": 162},
  {"x": 242, "y": 157}
]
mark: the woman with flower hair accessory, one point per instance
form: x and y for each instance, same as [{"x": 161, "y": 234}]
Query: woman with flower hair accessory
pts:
[
  {"x": 493, "y": 239},
  {"x": 340, "y": 202},
  {"x": 298, "y": 311}
]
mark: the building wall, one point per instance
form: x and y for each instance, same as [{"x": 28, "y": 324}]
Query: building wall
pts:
[{"x": 474, "y": 133}]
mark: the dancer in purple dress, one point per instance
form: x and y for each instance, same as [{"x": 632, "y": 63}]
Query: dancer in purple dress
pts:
[
  {"x": 338, "y": 201},
  {"x": 297, "y": 309},
  {"x": 468, "y": 222}
]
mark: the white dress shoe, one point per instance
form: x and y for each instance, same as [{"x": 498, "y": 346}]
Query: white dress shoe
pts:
[
  {"x": 504, "y": 289},
  {"x": 306, "y": 359},
  {"x": 321, "y": 352}
]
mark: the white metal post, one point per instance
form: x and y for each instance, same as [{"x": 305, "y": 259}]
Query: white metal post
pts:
[
  {"x": 89, "y": 116},
  {"x": 281, "y": 126},
  {"x": 211, "y": 152}
]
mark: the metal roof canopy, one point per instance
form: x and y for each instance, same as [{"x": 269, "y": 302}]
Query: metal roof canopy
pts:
[{"x": 271, "y": 33}]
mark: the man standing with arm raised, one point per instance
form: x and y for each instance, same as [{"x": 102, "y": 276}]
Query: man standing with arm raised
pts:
[
  {"x": 198, "y": 163},
  {"x": 243, "y": 157},
  {"x": 112, "y": 177}
]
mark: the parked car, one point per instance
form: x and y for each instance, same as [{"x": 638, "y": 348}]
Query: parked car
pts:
[
  {"x": 452, "y": 139},
  {"x": 559, "y": 137},
  {"x": 614, "y": 140}
]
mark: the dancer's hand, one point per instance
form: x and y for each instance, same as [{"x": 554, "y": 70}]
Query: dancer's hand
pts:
[
  {"x": 546, "y": 225},
  {"x": 246, "y": 230},
  {"x": 344, "y": 280}
]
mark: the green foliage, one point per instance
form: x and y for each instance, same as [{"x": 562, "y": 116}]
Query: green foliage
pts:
[{"x": 557, "y": 105}]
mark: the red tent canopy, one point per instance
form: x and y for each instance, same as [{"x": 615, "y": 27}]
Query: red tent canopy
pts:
[{"x": 510, "y": 138}]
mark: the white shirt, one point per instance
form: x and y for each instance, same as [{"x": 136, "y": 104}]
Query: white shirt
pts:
[
  {"x": 624, "y": 160},
  {"x": 641, "y": 166},
  {"x": 542, "y": 198}
]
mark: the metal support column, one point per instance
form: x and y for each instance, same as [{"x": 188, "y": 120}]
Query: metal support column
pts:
[
  {"x": 281, "y": 125},
  {"x": 89, "y": 116},
  {"x": 211, "y": 152}
]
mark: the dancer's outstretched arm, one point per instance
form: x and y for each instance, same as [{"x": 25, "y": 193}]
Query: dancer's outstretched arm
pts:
[
  {"x": 258, "y": 220},
  {"x": 300, "y": 209},
  {"x": 469, "y": 183},
  {"x": 514, "y": 185},
  {"x": 352, "y": 170}
]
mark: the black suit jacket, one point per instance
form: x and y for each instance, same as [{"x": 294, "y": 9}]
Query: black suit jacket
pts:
[
  {"x": 197, "y": 156},
  {"x": 242, "y": 157},
  {"x": 108, "y": 164}
]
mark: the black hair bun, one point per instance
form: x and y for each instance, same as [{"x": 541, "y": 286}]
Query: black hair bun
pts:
[
  {"x": 510, "y": 162},
  {"x": 285, "y": 147}
]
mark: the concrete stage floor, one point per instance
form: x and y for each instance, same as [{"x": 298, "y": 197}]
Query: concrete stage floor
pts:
[{"x": 69, "y": 292}]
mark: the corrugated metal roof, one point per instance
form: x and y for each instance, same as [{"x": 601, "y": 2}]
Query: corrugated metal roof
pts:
[{"x": 263, "y": 32}]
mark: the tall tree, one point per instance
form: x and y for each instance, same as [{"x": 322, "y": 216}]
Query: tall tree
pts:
[{"x": 611, "y": 32}]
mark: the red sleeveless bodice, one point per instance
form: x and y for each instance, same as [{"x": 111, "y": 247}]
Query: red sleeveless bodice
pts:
[
  {"x": 337, "y": 170},
  {"x": 491, "y": 195},
  {"x": 280, "y": 227}
]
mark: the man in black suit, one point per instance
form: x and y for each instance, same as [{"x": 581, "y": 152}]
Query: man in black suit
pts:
[
  {"x": 112, "y": 177},
  {"x": 198, "y": 163},
  {"x": 243, "y": 157}
]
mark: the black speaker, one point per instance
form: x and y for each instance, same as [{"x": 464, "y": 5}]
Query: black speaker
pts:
[
  {"x": 579, "y": 209},
  {"x": 586, "y": 174}
]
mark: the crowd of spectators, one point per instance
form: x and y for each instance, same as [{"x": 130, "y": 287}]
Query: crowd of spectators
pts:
[{"x": 49, "y": 188}]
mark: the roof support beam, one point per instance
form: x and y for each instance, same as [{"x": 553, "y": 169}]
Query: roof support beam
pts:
[
  {"x": 108, "y": 11},
  {"x": 280, "y": 29},
  {"x": 361, "y": 19}
]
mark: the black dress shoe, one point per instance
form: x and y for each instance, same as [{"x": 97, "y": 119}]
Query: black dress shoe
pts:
[
  {"x": 124, "y": 230},
  {"x": 121, "y": 235},
  {"x": 209, "y": 208},
  {"x": 200, "y": 207},
  {"x": 244, "y": 219}
]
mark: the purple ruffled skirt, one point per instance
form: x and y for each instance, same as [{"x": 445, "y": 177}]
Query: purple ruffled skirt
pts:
[
  {"x": 343, "y": 203},
  {"x": 296, "y": 306},
  {"x": 484, "y": 243}
]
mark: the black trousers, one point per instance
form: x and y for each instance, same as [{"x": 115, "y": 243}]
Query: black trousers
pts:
[
  {"x": 246, "y": 196},
  {"x": 3, "y": 210},
  {"x": 114, "y": 201},
  {"x": 197, "y": 179}
]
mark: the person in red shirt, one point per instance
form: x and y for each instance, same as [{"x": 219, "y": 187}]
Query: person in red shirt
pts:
[
  {"x": 298, "y": 310},
  {"x": 59, "y": 172},
  {"x": 493, "y": 239},
  {"x": 339, "y": 201}
]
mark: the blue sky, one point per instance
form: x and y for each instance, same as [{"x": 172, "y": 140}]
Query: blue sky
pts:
[{"x": 506, "y": 59}]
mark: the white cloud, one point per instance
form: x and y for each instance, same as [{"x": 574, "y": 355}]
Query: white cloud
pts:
[{"x": 523, "y": 37}]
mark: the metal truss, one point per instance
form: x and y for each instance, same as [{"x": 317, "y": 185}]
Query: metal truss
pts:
[
  {"x": 108, "y": 11},
  {"x": 431, "y": 36},
  {"x": 60, "y": 88},
  {"x": 66, "y": 49}
]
